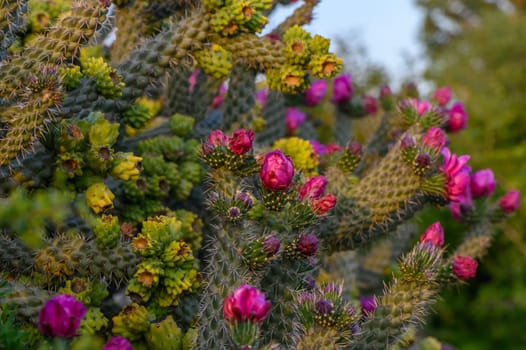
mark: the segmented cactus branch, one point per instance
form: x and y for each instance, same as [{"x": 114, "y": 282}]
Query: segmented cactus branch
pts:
[{"x": 12, "y": 22}]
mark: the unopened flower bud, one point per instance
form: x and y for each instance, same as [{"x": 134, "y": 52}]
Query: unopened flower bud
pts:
[
  {"x": 465, "y": 267},
  {"x": 277, "y": 171},
  {"x": 442, "y": 95},
  {"x": 271, "y": 245},
  {"x": 217, "y": 138},
  {"x": 342, "y": 89},
  {"x": 370, "y": 104},
  {"x": 245, "y": 198},
  {"x": 458, "y": 118},
  {"x": 324, "y": 307},
  {"x": 324, "y": 204},
  {"x": 308, "y": 244},
  {"x": 434, "y": 234},
  {"x": 510, "y": 202},
  {"x": 233, "y": 213},
  {"x": 368, "y": 304},
  {"x": 241, "y": 141},
  {"x": 315, "y": 93},
  {"x": 407, "y": 142},
  {"x": 294, "y": 119},
  {"x": 435, "y": 138},
  {"x": 482, "y": 183},
  {"x": 313, "y": 188}
]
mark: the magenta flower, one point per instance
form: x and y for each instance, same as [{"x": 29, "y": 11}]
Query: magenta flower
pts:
[
  {"x": 510, "y": 201},
  {"x": 217, "y": 138},
  {"x": 342, "y": 89},
  {"x": 277, "y": 171},
  {"x": 434, "y": 234},
  {"x": 368, "y": 304},
  {"x": 294, "y": 119},
  {"x": 465, "y": 267},
  {"x": 318, "y": 147},
  {"x": 435, "y": 138},
  {"x": 218, "y": 99},
  {"x": 324, "y": 204},
  {"x": 385, "y": 91},
  {"x": 117, "y": 343},
  {"x": 261, "y": 97},
  {"x": 355, "y": 148},
  {"x": 192, "y": 80},
  {"x": 464, "y": 204},
  {"x": 370, "y": 104},
  {"x": 313, "y": 188},
  {"x": 246, "y": 304},
  {"x": 271, "y": 245},
  {"x": 315, "y": 93},
  {"x": 61, "y": 316},
  {"x": 332, "y": 148},
  {"x": 457, "y": 117},
  {"x": 308, "y": 244},
  {"x": 241, "y": 141},
  {"x": 457, "y": 174},
  {"x": 482, "y": 183},
  {"x": 420, "y": 106},
  {"x": 442, "y": 95}
]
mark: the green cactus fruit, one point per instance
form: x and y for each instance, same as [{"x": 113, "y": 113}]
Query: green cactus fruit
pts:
[
  {"x": 126, "y": 166},
  {"x": 288, "y": 79},
  {"x": 144, "y": 245},
  {"x": 162, "y": 229},
  {"x": 137, "y": 116},
  {"x": 70, "y": 76},
  {"x": 296, "y": 32},
  {"x": 132, "y": 322},
  {"x": 178, "y": 281},
  {"x": 135, "y": 190},
  {"x": 107, "y": 231},
  {"x": 93, "y": 322},
  {"x": 190, "y": 339},
  {"x": 102, "y": 133},
  {"x": 99, "y": 197},
  {"x": 297, "y": 51},
  {"x": 148, "y": 273},
  {"x": 107, "y": 79},
  {"x": 319, "y": 45},
  {"x": 137, "y": 289},
  {"x": 164, "y": 335},
  {"x": 99, "y": 159},
  {"x": 181, "y": 125},
  {"x": 71, "y": 164},
  {"x": 325, "y": 66},
  {"x": 80, "y": 288},
  {"x": 215, "y": 61}
]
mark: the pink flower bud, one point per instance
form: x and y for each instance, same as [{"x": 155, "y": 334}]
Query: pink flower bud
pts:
[
  {"x": 241, "y": 141},
  {"x": 217, "y": 138},
  {"x": 315, "y": 93},
  {"x": 457, "y": 118},
  {"x": 435, "y": 138},
  {"x": 368, "y": 304},
  {"x": 246, "y": 303},
  {"x": 218, "y": 99},
  {"x": 420, "y": 106},
  {"x": 324, "y": 204},
  {"x": 271, "y": 245},
  {"x": 318, "y": 147},
  {"x": 192, "y": 80},
  {"x": 510, "y": 201},
  {"x": 434, "y": 234},
  {"x": 442, "y": 95},
  {"x": 342, "y": 89},
  {"x": 308, "y": 244},
  {"x": 261, "y": 97},
  {"x": 277, "y": 171},
  {"x": 313, "y": 188},
  {"x": 385, "y": 91},
  {"x": 355, "y": 148},
  {"x": 294, "y": 119},
  {"x": 370, "y": 104},
  {"x": 465, "y": 267},
  {"x": 117, "y": 343},
  {"x": 333, "y": 148},
  {"x": 61, "y": 316},
  {"x": 482, "y": 183}
]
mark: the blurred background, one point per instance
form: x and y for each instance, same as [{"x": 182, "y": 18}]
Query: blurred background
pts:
[{"x": 478, "y": 48}]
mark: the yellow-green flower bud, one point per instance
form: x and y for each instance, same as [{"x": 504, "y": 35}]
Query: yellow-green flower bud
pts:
[
  {"x": 99, "y": 197},
  {"x": 181, "y": 125},
  {"x": 131, "y": 322},
  {"x": 164, "y": 335},
  {"x": 102, "y": 132},
  {"x": 126, "y": 166}
]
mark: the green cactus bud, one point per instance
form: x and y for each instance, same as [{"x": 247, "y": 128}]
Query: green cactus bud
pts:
[
  {"x": 297, "y": 51},
  {"x": 93, "y": 322},
  {"x": 319, "y": 45},
  {"x": 190, "y": 339},
  {"x": 225, "y": 21},
  {"x": 179, "y": 281},
  {"x": 136, "y": 288},
  {"x": 325, "y": 66},
  {"x": 164, "y": 335},
  {"x": 70, "y": 76},
  {"x": 256, "y": 23},
  {"x": 162, "y": 229},
  {"x": 107, "y": 231},
  {"x": 102, "y": 133},
  {"x": 137, "y": 116},
  {"x": 126, "y": 166},
  {"x": 296, "y": 32},
  {"x": 71, "y": 164},
  {"x": 288, "y": 79},
  {"x": 144, "y": 244},
  {"x": 99, "y": 159},
  {"x": 181, "y": 125},
  {"x": 108, "y": 81},
  {"x": 80, "y": 288},
  {"x": 99, "y": 197},
  {"x": 215, "y": 61},
  {"x": 132, "y": 322}
]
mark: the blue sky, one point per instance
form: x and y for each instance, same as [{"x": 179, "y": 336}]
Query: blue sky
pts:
[{"x": 388, "y": 28}]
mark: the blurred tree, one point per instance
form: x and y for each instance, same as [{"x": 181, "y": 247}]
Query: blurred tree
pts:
[{"x": 478, "y": 49}]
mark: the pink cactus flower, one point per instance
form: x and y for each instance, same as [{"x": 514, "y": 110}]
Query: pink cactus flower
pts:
[
  {"x": 385, "y": 91},
  {"x": 246, "y": 304},
  {"x": 464, "y": 204},
  {"x": 420, "y": 106},
  {"x": 510, "y": 202},
  {"x": 217, "y": 138},
  {"x": 61, "y": 316},
  {"x": 313, "y": 188},
  {"x": 192, "y": 80},
  {"x": 308, "y": 244},
  {"x": 315, "y": 93},
  {"x": 324, "y": 204},
  {"x": 218, "y": 99},
  {"x": 465, "y": 267},
  {"x": 294, "y": 119},
  {"x": 442, "y": 95},
  {"x": 333, "y": 148},
  {"x": 117, "y": 343},
  {"x": 435, "y": 138},
  {"x": 457, "y": 118},
  {"x": 370, "y": 104},
  {"x": 434, "y": 234},
  {"x": 482, "y": 183},
  {"x": 457, "y": 174},
  {"x": 277, "y": 171},
  {"x": 342, "y": 89},
  {"x": 241, "y": 141}
]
